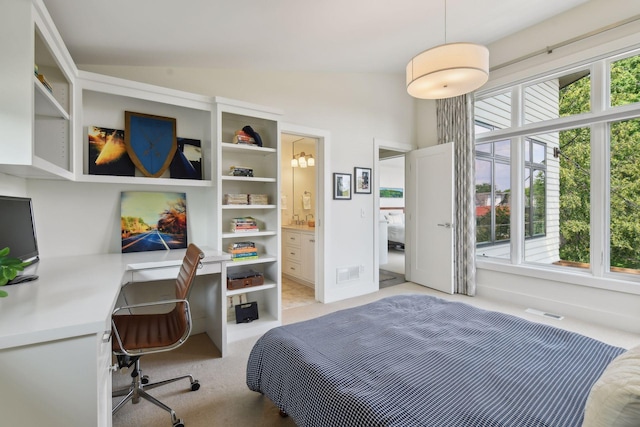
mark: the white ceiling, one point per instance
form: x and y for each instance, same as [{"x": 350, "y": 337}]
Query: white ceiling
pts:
[{"x": 295, "y": 35}]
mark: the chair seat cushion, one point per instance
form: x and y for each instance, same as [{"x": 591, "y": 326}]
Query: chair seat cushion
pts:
[{"x": 146, "y": 331}]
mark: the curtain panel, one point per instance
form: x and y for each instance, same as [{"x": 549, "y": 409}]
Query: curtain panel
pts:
[{"x": 455, "y": 123}]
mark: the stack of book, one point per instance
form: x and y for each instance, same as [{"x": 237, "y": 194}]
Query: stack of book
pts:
[
  {"x": 244, "y": 225},
  {"x": 240, "y": 171},
  {"x": 241, "y": 137},
  {"x": 236, "y": 199},
  {"x": 243, "y": 251}
]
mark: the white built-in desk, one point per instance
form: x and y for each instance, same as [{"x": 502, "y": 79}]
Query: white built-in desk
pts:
[{"x": 55, "y": 349}]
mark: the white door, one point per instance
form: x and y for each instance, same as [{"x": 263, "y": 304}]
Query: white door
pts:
[{"x": 429, "y": 219}]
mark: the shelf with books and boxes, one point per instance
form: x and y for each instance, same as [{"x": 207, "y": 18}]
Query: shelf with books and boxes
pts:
[
  {"x": 248, "y": 174},
  {"x": 101, "y": 134},
  {"x": 263, "y": 293},
  {"x": 36, "y": 95}
]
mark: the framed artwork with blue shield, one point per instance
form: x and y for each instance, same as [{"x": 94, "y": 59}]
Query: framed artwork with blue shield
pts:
[{"x": 151, "y": 142}]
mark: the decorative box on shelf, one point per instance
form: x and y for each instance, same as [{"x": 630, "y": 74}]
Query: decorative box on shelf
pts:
[
  {"x": 244, "y": 279},
  {"x": 236, "y": 199},
  {"x": 258, "y": 199}
]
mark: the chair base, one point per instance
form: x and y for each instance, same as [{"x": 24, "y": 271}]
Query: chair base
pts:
[{"x": 139, "y": 384}]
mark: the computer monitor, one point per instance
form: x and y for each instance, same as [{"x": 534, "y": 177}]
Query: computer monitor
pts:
[{"x": 17, "y": 228}]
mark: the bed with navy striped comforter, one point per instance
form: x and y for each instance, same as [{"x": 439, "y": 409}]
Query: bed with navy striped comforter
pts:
[{"x": 417, "y": 360}]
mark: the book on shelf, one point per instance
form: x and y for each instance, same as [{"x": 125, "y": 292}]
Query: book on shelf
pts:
[
  {"x": 244, "y": 229},
  {"x": 239, "y": 245},
  {"x": 244, "y": 225},
  {"x": 242, "y": 250},
  {"x": 240, "y": 171},
  {"x": 244, "y": 254},
  {"x": 45, "y": 82},
  {"x": 247, "y": 258}
]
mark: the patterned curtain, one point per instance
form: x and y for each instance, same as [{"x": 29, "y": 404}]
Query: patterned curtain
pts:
[{"x": 455, "y": 123}]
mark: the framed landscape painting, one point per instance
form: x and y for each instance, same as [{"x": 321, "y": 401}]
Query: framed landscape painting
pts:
[{"x": 153, "y": 221}]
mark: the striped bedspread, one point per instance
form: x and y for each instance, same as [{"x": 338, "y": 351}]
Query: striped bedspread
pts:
[{"x": 416, "y": 360}]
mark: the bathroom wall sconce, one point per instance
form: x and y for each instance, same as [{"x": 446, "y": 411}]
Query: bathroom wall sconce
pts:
[{"x": 302, "y": 160}]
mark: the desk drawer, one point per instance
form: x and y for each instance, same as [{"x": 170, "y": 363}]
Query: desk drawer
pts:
[
  {"x": 169, "y": 273},
  {"x": 148, "y": 275}
]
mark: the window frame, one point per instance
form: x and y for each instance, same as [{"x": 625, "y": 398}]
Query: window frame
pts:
[{"x": 598, "y": 120}]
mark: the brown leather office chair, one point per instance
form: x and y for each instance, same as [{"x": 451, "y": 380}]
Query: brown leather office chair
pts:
[{"x": 134, "y": 335}]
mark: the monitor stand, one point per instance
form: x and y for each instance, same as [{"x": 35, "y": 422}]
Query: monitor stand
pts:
[{"x": 22, "y": 278}]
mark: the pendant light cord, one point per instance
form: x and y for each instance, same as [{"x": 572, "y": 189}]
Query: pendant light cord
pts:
[{"x": 445, "y": 21}]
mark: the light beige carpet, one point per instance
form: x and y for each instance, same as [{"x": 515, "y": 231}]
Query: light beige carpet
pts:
[{"x": 224, "y": 399}]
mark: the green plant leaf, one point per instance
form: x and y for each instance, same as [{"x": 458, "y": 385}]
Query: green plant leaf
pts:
[
  {"x": 9, "y": 273},
  {"x": 10, "y": 261},
  {"x": 3, "y": 294},
  {"x": 4, "y": 252}
]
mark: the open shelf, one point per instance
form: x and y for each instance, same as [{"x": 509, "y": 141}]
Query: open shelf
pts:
[
  {"x": 251, "y": 289},
  {"x": 249, "y": 234},
  {"x": 247, "y": 149}
]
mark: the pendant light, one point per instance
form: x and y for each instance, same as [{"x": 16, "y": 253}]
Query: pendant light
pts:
[{"x": 448, "y": 70}]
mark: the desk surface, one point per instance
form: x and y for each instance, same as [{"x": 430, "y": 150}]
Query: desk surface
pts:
[{"x": 75, "y": 296}]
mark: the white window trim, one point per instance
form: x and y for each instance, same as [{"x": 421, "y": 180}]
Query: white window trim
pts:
[{"x": 601, "y": 114}]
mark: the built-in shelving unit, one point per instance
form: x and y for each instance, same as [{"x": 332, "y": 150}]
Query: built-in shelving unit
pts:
[
  {"x": 232, "y": 116},
  {"x": 46, "y": 136},
  {"x": 103, "y": 101},
  {"x": 44, "y": 118}
]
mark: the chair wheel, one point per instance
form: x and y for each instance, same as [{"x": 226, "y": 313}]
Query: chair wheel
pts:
[
  {"x": 178, "y": 423},
  {"x": 144, "y": 379},
  {"x": 195, "y": 386}
]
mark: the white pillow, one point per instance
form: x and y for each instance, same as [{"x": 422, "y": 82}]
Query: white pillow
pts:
[{"x": 614, "y": 400}]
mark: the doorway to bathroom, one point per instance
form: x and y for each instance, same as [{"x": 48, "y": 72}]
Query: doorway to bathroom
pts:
[{"x": 299, "y": 216}]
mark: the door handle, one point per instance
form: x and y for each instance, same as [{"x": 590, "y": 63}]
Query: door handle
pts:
[{"x": 446, "y": 225}]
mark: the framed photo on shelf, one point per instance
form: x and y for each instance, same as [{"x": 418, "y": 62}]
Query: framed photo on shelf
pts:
[
  {"x": 107, "y": 152},
  {"x": 187, "y": 162},
  {"x": 151, "y": 142},
  {"x": 362, "y": 180},
  {"x": 341, "y": 186}
]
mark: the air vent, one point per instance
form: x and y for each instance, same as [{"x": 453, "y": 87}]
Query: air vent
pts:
[
  {"x": 544, "y": 314},
  {"x": 346, "y": 274}
]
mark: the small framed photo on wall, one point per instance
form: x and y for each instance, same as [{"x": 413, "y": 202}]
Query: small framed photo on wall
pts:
[
  {"x": 341, "y": 186},
  {"x": 362, "y": 180}
]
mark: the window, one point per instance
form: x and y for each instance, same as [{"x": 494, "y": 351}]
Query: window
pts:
[
  {"x": 535, "y": 188},
  {"x": 580, "y": 190},
  {"x": 624, "y": 195},
  {"x": 493, "y": 182}
]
